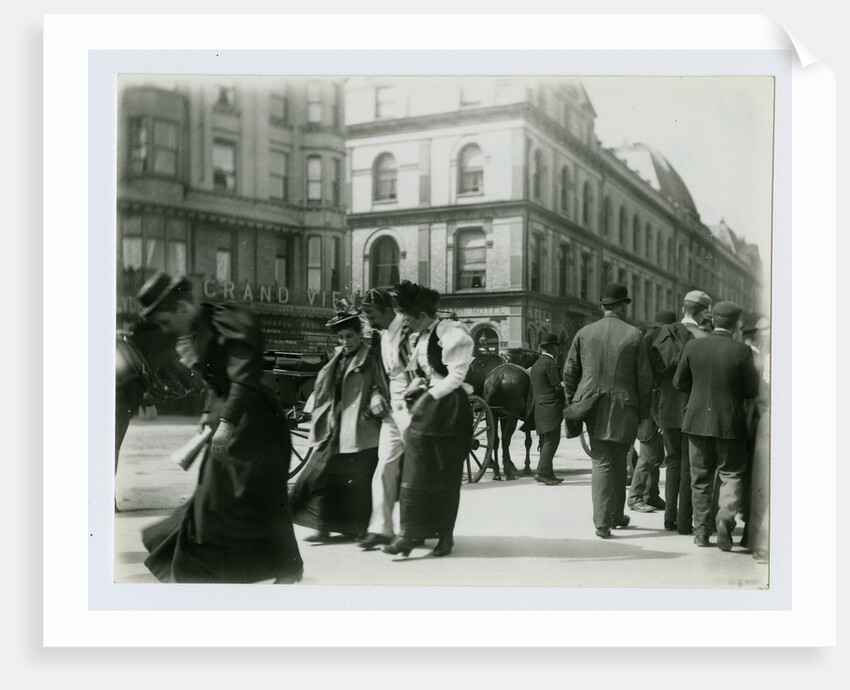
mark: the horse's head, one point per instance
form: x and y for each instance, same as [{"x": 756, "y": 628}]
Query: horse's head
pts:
[
  {"x": 156, "y": 364},
  {"x": 478, "y": 370},
  {"x": 523, "y": 357}
]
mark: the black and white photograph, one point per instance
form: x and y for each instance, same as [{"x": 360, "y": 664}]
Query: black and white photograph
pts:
[
  {"x": 436, "y": 330},
  {"x": 486, "y": 343}
]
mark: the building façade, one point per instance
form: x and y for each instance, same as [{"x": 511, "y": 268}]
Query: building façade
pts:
[
  {"x": 237, "y": 183},
  {"x": 495, "y": 192}
]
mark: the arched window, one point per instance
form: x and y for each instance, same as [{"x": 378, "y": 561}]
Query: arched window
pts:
[
  {"x": 623, "y": 223},
  {"x": 384, "y": 263},
  {"x": 470, "y": 170},
  {"x": 565, "y": 189},
  {"x": 586, "y": 204},
  {"x": 486, "y": 341},
  {"x": 385, "y": 175},
  {"x": 537, "y": 176},
  {"x": 607, "y": 217},
  {"x": 471, "y": 252}
]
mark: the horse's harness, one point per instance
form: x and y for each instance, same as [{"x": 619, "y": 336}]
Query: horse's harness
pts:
[{"x": 159, "y": 385}]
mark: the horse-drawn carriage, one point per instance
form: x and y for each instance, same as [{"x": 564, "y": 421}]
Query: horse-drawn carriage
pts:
[{"x": 500, "y": 401}]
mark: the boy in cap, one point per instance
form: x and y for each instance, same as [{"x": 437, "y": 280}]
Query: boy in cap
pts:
[
  {"x": 644, "y": 496},
  {"x": 718, "y": 374},
  {"x": 664, "y": 354}
]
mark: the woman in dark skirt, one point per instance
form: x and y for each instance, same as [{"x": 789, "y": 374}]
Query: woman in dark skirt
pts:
[
  {"x": 333, "y": 493},
  {"x": 236, "y": 528},
  {"x": 440, "y": 431}
]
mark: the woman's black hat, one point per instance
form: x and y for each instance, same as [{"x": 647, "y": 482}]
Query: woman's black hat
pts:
[
  {"x": 155, "y": 290},
  {"x": 347, "y": 316}
]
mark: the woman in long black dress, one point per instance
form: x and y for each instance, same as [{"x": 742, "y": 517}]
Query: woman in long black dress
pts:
[
  {"x": 237, "y": 527},
  {"x": 333, "y": 493},
  {"x": 440, "y": 431}
]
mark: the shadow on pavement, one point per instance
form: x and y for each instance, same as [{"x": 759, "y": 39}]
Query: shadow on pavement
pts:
[{"x": 531, "y": 547}]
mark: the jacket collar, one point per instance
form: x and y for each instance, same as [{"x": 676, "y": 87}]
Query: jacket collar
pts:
[
  {"x": 721, "y": 332},
  {"x": 357, "y": 360}
]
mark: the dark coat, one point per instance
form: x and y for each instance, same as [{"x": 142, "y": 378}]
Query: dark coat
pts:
[
  {"x": 609, "y": 358},
  {"x": 362, "y": 381},
  {"x": 672, "y": 402},
  {"x": 718, "y": 374},
  {"x": 548, "y": 395},
  {"x": 236, "y": 528}
]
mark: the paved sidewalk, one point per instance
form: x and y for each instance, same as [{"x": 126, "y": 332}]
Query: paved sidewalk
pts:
[{"x": 516, "y": 533}]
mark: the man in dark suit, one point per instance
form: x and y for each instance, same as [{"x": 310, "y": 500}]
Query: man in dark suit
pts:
[
  {"x": 608, "y": 359},
  {"x": 664, "y": 355},
  {"x": 718, "y": 374},
  {"x": 548, "y": 407}
]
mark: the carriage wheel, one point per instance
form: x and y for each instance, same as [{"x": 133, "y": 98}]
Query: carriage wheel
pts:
[
  {"x": 585, "y": 440},
  {"x": 299, "y": 456},
  {"x": 480, "y": 453}
]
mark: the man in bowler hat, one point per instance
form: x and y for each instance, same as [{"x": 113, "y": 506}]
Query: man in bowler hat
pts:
[
  {"x": 548, "y": 407},
  {"x": 718, "y": 374},
  {"x": 608, "y": 359}
]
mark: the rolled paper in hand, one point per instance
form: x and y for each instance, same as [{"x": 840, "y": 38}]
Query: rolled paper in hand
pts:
[{"x": 189, "y": 451}]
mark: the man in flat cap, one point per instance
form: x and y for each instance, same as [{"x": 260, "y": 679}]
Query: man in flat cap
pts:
[
  {"x": 608, "y": 361},
  {"x": 665, "y": 352},
  {"x": 548, "y": 396},
  {"x": 718, "y": 374}
]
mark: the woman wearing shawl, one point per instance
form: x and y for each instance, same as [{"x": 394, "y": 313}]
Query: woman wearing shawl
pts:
[{"x": 333, "y": 493}]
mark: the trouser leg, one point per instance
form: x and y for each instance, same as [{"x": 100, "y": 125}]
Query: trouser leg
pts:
[
  {"x": 731, "y": 468},
  {"x": 387, "y": 476},
  {"x": 685, "y": 511},
  {"x": 550, "y": 441},
  {"x": 672, "y": 439},
  {"x": 703, "y": 464},
  {"x": 608, "y": 482}
]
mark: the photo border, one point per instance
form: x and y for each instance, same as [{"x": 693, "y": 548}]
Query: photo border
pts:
[{"x": 104, "y": 64}]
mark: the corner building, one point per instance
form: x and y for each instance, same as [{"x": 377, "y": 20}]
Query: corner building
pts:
[
  {"x": 495, "y": 192},
  {"x": 238, "y": 183}
]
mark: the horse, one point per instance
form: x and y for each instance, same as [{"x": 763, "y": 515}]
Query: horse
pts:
[
  {"x": 147, "y": 372},
  {"x": 507, "y": 391}
]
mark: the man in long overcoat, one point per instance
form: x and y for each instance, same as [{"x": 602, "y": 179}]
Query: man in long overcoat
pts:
[
  {"x": 608, "y": 359},
  {"x": 548, "y": 407},
  {"x": 718, "y": 374}
]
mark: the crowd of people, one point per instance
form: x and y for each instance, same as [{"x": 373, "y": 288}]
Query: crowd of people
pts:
[{"x": 391, "y": 425}]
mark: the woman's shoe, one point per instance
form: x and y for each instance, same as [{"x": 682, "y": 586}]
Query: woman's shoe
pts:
[
  {"x": 318, "y": 536},
  {"x": 444, "y": 546},
  {"x": 399, "y": 545}
]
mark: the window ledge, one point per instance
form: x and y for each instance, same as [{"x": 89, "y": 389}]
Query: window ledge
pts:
[
  {"x": 464, "y": 195},
  {"x": 384, "y": 202}
]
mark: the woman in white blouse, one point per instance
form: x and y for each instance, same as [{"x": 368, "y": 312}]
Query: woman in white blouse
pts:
[{"x": 440, "y": 431}]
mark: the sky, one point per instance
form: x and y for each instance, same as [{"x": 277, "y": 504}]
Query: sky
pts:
[{"x": 717, "y": 132}]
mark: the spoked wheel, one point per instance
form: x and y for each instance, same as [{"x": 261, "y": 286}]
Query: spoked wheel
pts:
[
  {"x": 301, "y": 452},
  {"x": 585, "y": 440},
  {"x": 480, "y": 453}
]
